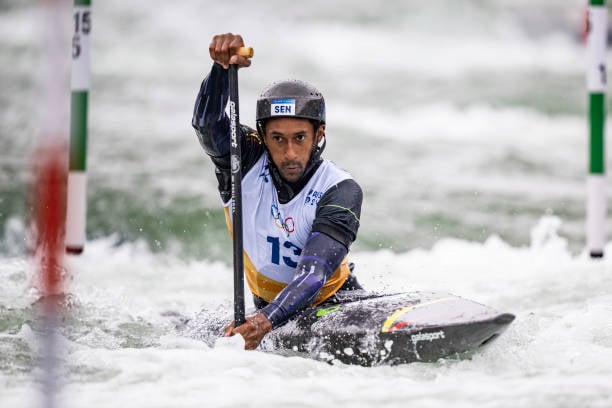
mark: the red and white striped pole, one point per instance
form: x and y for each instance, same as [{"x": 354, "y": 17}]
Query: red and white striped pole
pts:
[{"x": 49, "y": 188}]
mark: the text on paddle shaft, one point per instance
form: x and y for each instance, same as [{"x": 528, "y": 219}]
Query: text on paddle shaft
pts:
[
  {"x": 289, "y": 247},
  {"x": 233, "y": 125},
  {"x": 82, "y": 26}
]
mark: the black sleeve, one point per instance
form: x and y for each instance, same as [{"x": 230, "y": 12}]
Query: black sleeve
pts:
[
  {"x": 212, "y": 127},
  {"x": 338, "y": 212},
  {"x": 209, "y": 118}
]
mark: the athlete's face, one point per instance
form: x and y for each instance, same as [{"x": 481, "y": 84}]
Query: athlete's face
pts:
[{"x": 290, "y": 142}]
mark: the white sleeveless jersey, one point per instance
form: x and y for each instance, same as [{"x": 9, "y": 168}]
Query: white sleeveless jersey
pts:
[{"x": 274, "y": 234}]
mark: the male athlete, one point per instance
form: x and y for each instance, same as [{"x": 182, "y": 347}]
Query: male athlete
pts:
[{"x": 300, "y": 212}]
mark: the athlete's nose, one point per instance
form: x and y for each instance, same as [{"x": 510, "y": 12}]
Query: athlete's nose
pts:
[{"x": 291, "y": 152}]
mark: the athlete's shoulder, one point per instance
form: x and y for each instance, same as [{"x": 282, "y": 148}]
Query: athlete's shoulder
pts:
[
  {"x": 345, "y": 191},
  {"x": 332, "y": 167},
  {"x": 339, "y": 210},
  {"x": 251, "y": 135}
]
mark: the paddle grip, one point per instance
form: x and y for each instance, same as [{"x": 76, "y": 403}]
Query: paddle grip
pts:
[{"x": 246, "y": 52}]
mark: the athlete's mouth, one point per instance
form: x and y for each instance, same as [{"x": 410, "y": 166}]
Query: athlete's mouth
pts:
[{"x": 292, "y": 168}]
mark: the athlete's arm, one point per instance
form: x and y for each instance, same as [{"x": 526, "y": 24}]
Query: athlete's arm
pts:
[
  {"x": 209, "y": 118},
  {"x": 212, "y": 127},
  {"x": 321, "y": 256},
  {"x": 338, "y": 212},
  {"x": 334, "y": 230}
]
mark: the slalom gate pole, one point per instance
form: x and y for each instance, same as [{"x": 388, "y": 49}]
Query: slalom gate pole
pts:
[
  {"x": 80, "y": 83},
  {"x": 48, "y": 195},
  {"x": 236, "y": 182},
  {"x": 597, "y": 27},
  {"x": 49, "y": 216}
]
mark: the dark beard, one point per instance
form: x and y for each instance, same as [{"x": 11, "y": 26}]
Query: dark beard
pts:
[{"x": 286, "y": 190}]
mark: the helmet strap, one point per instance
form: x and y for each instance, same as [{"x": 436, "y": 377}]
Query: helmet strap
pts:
[{"x": 260, "y": 129}]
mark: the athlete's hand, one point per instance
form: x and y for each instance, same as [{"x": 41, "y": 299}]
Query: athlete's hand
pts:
[
  {"x": 253, "y": 330},
  {"x": 223, "y": 49}
]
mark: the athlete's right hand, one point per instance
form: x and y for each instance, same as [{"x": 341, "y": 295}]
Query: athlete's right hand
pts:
[
  {"x": 223, "y": 49},
  {"x": 252, "y": 330}
]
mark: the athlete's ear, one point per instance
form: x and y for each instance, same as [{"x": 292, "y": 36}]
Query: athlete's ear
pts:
[{"x": 320, "y": 133}]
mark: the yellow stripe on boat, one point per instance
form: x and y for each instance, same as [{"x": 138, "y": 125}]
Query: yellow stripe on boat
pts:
[{"x": 391, "y": 319}]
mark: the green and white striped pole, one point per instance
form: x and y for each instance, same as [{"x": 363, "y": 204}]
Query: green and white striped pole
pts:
[
  {"x": 77, "y": 177},
  {"x": 596, "y": 82}
]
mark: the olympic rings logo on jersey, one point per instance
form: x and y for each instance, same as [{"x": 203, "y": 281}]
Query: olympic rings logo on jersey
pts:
[{"x": 288, "y": 225}]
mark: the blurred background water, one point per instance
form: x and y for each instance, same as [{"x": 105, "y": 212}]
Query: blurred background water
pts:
[{"x": 464, "y": 122}]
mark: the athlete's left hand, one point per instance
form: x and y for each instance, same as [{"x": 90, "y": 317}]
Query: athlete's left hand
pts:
[{"x": 252, "y": 331}]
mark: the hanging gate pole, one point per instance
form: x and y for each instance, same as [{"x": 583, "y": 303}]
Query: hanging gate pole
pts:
[
  {"x": 597, "y": 31},
  {"x": 77, "y": 177}
]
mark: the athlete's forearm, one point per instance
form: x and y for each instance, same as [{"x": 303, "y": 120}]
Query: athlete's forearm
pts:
[
  {"x": 320, "y": 258},
  {"x": 209, "y": 118}
]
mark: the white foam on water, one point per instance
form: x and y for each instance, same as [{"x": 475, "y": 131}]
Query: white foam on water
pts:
[
  {"x": 144, "y": 281},
  {"x": 561, "y": 336}
]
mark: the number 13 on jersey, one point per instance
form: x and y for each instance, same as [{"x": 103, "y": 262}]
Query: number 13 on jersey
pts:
[{"x": 291, "y": 250}]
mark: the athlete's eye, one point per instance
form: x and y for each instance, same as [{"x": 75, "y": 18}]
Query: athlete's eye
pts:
[{"x": 300, "y": 137}]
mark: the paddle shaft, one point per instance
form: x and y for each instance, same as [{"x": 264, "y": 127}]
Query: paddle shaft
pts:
[
  {"x": 236, "y": 166},
  {"x": 236, "y": 181}
]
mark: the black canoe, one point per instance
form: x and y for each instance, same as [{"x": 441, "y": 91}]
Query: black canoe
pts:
[{"x": 367, "y": 329}]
